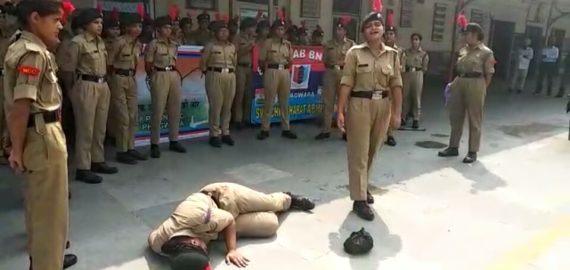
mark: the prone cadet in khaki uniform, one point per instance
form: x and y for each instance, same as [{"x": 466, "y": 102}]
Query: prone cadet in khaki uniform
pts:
[
  {"x": 4, "y": 43},
  {"x": 275, "y": 60},
  {"x": 166, "y": 84},
  {"x": 38, "y": 150},
  {"x": 219, "y": 60},
  {"x": 390, "y": 37},
  {"x": 333, "y": 58},
  {"x": 122, "y": 61},
  {"x": 220, "y": 208},
  {"x": 202, "y": 35},
  {"x": 86, "y": 67},
  {"x": 475, "y": 68},
  {"x": 417, "y": 61},
  {"x": 245, "y": 41},
  {"x": 371, "y": 77}
]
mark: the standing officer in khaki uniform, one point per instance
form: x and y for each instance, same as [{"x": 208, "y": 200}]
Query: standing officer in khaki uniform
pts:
[
  {"x": 4, "y": 43},
  {"x": 262, "y": 31},
  {"x": 475, "y": 68},
  {"x": 390, "y": 37},
  {"x": 275, "y": 60},
  {"x": 333, "y": 58},
  {"x": 245, "y": 41},
  {"x": 371, "y": 77},
  {"x": 417, "y": 61},
  {"x": 86, "y": 67},
  {"x": 122, "y": 64},
  {"x": 202, "y": 35},
  {"x": 228, "y": 208},
  {"x": 186, "y": 28},
  {"x": 218, "y": 62},
  {"x": 38, "y": 151},
  {"x": 166, "y": 92}
]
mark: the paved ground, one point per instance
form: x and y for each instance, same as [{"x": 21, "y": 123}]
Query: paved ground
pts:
[{"x": 511, "y": 210}]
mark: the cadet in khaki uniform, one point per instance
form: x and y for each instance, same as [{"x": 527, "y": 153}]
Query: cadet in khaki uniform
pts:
[
  {"x": 186, "y": 28},
  {"x": 218, "y": 62},
  {"x": 202, "y": 35},
  {"x": 317, "y": 36},
  {"x": 371, "y": 77},
  {"x": 111, "y": 33},
  {"x": 475, "y": 68},
  {"x": 86, "y": 67},
  {"x": 333, "y": 58},
  {"x": 166, "y": 92},
  {"x": 4, "y": 43},
  {"x": 262, "y": 31},
  {"x": 122, "y": 61},
  {"x": 38, "y": 151},
  {"x": 275, "y": 60},
  {"x": 416, "y": 65},
  {"x": 228, "y": 208},
  {"x": 245, "y": 41},
  {"x": 390, "y": 38}
]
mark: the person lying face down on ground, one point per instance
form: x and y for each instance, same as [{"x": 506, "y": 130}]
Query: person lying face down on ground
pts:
[{"x": 228, "y": 209}]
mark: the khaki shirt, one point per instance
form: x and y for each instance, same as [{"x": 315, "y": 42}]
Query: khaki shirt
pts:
[
  {"x": 62, "y": 51},
  {"x": 335, "y": 52},
  {"x": 218, "y": 55},
  {"x": 244, "y": 46},
  {"x": 197, "y": 216},
  {"x": 86, "y": 55},
  {"x": 187, "y": 39},
  {"x": 275, "y": 51},
  {"x": 478, "y": 59},
  {"x": 365, "y": 71},
  {"x": 161, "y": 53},
  {"x": 30, "y": 73},
  {"x": 201, "y": 37},
  {"x": 124, "y": 53},
  {"x": 416, "y": 58},
  {"x": 401, "y": 55}
]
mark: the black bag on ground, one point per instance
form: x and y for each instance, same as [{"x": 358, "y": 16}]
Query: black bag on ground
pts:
[{"x": 359, "y": 243}]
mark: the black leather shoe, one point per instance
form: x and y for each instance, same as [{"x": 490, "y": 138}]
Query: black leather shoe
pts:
[
  {"x": 416, "y": 124},
  {"x": 137, "y": 155},
  {"x": 288, "y": 134},
  {"x": 177, "y": 147},
  {"x": 102, "y": 167},
  {"x": 369, "y": 198},
  {"x": 154, "y": 151},
  {"x": 363, "y": 210},
  {"x": 449, "y": 152},
  {"x": 470, "y": 158},
  {"x": 227, "y": 139},
  {"x": 263, "y": 135},
  {"x": 300, "y": 203},
  {"x": 126, "y": 158},
  {"x": 344, "y": 137},
  {"x": 69, "y": 260},
  {"x": 86, "y": 176},
  {"x": 215, "y": 142},
  {"x": 391, "y": 141},
  {"x": 323, "y": 135}
]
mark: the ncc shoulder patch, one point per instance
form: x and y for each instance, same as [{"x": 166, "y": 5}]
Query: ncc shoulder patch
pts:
[{"x": 29, "y": 70}]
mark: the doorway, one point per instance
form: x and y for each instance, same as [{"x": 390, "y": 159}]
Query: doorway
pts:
[
  {"x": 501, "y": 40},
  {"x": 250, "y": 8}
]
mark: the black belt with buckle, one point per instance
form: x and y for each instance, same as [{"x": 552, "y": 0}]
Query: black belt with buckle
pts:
[
  {"x": 49, "y": 117},
  {"x": 369, "y": 94},
  {"x": 168, "y": 68},
  {"x": 334, "y": 66},
  {"x": 245, "y": 65},
  {"x": 412, "y": 69},
  {"x": 92, "y": 78},
  {"x": 277, "y": 66},
  {"x": 221, "y": 70},
  {"x": 125, "y": 72},
  {"x": 471, "y": 75}
]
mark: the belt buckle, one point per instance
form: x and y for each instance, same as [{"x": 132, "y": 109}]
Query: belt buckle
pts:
[
  {"x": 100, "y": 80},
  {"x": 337, "y": 67},
  {"x": 280, "y": 66},
  {"x": 225, "y": 70},
  {"x": 377, "y": 94},
  {"x": 413, "y": 69},
  {"x": 168, "y": 68}
]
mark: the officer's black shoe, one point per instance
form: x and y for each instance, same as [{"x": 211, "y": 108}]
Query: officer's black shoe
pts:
[
  {"x": 215, "y": 142},
  {"x": 300, "y": 203},
  {"x": 137, "y": 155},
  {"x": 403, "y": 122},
  {"x": 154, "y": 151},
  {"x": 176, "y": 147},
  {"x": 263, "y": 135},
  {"x": 126, "y": 158},
  {"x": 288, "y": 134},
  {"x": 323, "y": 135},
  {"x": 102, "y": 167},
  {"x": 69, "y": 260},
  {"x": 559, "y": 95},
  {"x": 369, "y": 198},
  {"x": 86, "y": 176},
  {"x": 449, "y": 152},
  {"x": 416, "y": 124},
  {"x": 470, "y": 158},
  {"x": 344, "y": 137},
  {"x": 227, "y": 139},
  {"x": 391, "y": 141},
  {"x": 363, "y": 210}
]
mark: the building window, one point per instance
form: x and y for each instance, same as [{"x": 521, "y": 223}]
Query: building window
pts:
[
  {"x": 261, "y": 2},
  {"x": 345, "y": 6},
  {"x": 201, "y": 4}
]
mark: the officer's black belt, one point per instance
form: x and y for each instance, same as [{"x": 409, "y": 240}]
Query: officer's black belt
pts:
[
  {"x": 471, "y": 75},
  {"x": 245, "y": 65},
  {"x": 125, "y": 72},
  {"x": 411, "y": 69},
  {"x": 49, "y": 117},
  {"x": 93, "y": 78},
  {"x": 277, "y": 66},
  {"x": 168, "y": 68},
  {"x": 219, "y": 69},
  {"x": 368, "y": 94},
  {"x": 334, "y": 66}
]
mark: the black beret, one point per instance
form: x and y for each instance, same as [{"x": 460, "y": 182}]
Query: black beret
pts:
[
  {"x": 474, "y": 28},
  {"x": 218, "y": 25},
  {"x": 132, "y": 18},
  {"x": 204, "y": 17},
  {"x": 247, "y": 22},
  {"x": 263, "y": 24},
  {"x": 110, "y": 22},
  {"x": 185, "y": 21},
  {"x": 374, "y": 16},
  {"x": 190, "y": 260},
  {"x": 278, "y": 23},
  {"x": 87, "y": 16},
  {"x": 162, "y": 21},
  {"x": 391, "y": 28}
]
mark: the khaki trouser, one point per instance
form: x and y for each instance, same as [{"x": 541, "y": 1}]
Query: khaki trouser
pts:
[
  {"x": 519, "y": 79},
  {"x": 221, "y": 89},
  {"x": 166, "y": 92},
  {"x": 241, "y": 110},
  {"x": 467, "y": 95},
  {"x": 91, "y": 107},
  {"x": 331, "y": 85},
  {"x": 125, "y": 111},
  {"x": 276, "y": 83},
  {"x": 254, "y": 211},
  {"x": 3, "y": 126},
  {"x": 413, "y": 86},
  {"x": 46, "y": 195},
  {"x": 367, "y": 123}
]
